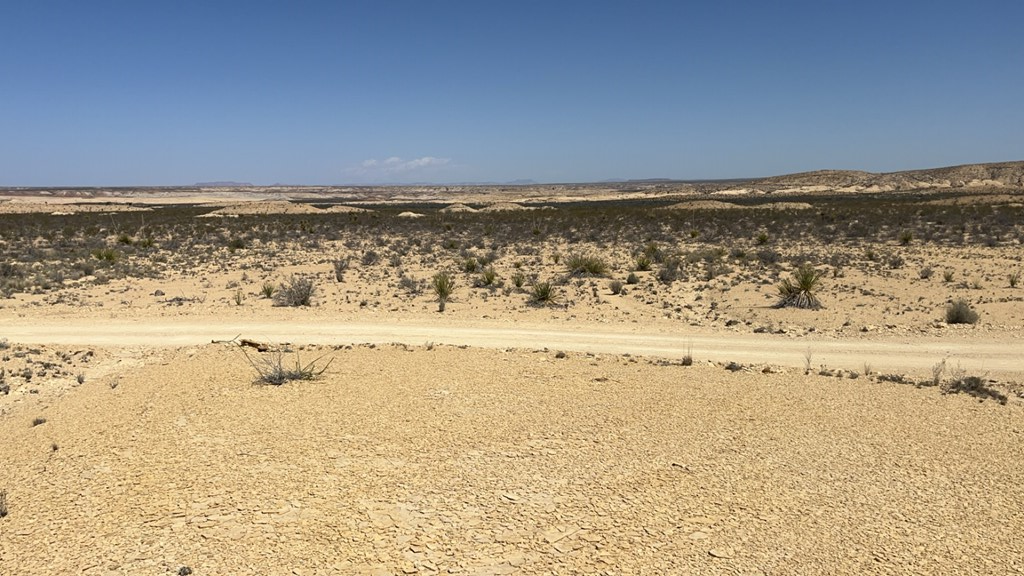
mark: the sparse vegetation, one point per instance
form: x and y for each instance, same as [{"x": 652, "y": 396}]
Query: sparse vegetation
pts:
[
  {"x": 443, "y": 284},
  {"x": 340, "y": 267},
  {"x": 586, "y": 265},
  {"x": 615, "y": 286},
  {"x": 543, "y": 293},
  {"x": 296, "y": 291},
  {"x": 1013, "y": 278},
  {"x": 960, "y": 312},
  {"x": 268, "y": 290},
  {"x": 798, "y": 291},
  {"x": 271, "y": 368}
]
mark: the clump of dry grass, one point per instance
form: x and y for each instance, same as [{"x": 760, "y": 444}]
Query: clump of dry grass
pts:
[{"x": 272, "y": 369}]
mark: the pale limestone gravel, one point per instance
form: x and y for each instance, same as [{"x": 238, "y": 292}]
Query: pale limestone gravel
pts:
[{"x": 468, "y": 461}]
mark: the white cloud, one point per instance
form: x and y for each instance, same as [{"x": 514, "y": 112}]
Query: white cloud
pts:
[{"x": 395, "y": 166}]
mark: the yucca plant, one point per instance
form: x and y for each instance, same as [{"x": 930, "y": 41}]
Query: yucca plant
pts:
[
  {"x": 798, "y": 291},
  {"x": 443, "y": 284}
]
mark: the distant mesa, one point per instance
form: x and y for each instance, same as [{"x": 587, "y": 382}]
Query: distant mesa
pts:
[
  {"x": 522, "y": 182},
  {"x": 457, "y": 207},
  {"x": 264, "y": 207},
  {"x": 504, "y": 206},
  {"x": 224, "y": 184}
]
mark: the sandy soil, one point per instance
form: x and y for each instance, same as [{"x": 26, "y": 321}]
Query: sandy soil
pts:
[
  {"x": 506, "y": 438},
  {"x": 469, "y": 461}
]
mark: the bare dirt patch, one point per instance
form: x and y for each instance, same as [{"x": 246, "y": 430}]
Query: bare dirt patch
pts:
[{"x": 472, "y": 461}]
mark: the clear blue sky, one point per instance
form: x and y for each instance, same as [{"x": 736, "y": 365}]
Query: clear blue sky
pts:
[{"x": 173, "y": 92}]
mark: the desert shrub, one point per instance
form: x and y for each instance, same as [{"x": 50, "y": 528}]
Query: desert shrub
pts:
[
  {"x": 896, "y": 262},
  {"x": 642, "y": 263},
  {"x": 543, "y": 293},
  {"x": 632, "y": 279},
  {"x": 410, "y": 285},
  {"x": 947, "y": 275},
  {"x": 340, "y": 266},
  {"x": 272, "y": 370},
  {"x": 3, "y": 503},
  {"x": 586, "y": 265},
  {"x": 960, "y": 312},
  {"x": 615, "y": 286},
  {"x": 1013, "y": 278},
  {"x": 926, "y": 273},
  {"x": 487, "y": 277},
  {"x": 105, "y": 254},
  {"x": 518, "y": 279},
  {"x": 768, "y": 256},
  {"x": 370, "y": 257},
  {"x": 296, "y": 291},
  {"x": 236, "y": 244},
  {"x": 470, "y": 265},
  {"x": 906, "y": 237},
  {"x": 798, "y": 291},
  {"x": 268, "y": 290},
  {"x": 125, "y": 238},
  {"x": 975, "y": 386},
  {"x": 10, "y": 270},
  {"x": 670, "y": 270},
  {"x": 761, "y": 239},
  {"x": 443, "y": 284}
]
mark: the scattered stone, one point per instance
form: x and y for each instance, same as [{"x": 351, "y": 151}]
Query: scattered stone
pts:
[{"x": 723, "y": 553}]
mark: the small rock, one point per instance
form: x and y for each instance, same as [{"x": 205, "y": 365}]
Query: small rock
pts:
[{"x": 720, "y": 553}]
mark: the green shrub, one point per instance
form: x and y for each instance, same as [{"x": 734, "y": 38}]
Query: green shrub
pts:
[
  {"x": 443, "y": 284},
  {"x": 543, "y": 293},
  {"x": 487, "y": 277},
  {"x": 960, "y": 312},
  {"x": 470, "y": 265},
  {"x": 906, "y": 237},
  {"x": 643, "y": 263},
  {"x": 268, "y": 290},
  {"x": 586, "y": 265},
  {"x": 798, "y": 291},
  {"x": 518, "y": 279},
  {"x": 106, "y": 254}
]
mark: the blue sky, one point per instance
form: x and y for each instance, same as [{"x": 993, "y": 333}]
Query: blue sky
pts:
[{"x": 105, "y": 93}]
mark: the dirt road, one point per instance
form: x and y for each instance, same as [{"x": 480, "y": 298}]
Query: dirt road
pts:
[{"x": 1003, "y": 358}]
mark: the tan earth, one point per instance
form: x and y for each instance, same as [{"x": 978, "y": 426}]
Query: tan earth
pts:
[{"x": 501, "y": 437}]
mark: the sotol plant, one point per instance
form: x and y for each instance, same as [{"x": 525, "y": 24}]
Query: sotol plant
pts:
[{"x": 798, "y": 291}]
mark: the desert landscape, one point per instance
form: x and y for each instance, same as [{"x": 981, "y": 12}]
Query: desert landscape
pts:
[{"x": 820, "y": 373}]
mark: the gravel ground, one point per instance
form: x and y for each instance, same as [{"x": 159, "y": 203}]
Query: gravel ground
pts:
[{"x": 469, "y": 461}]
